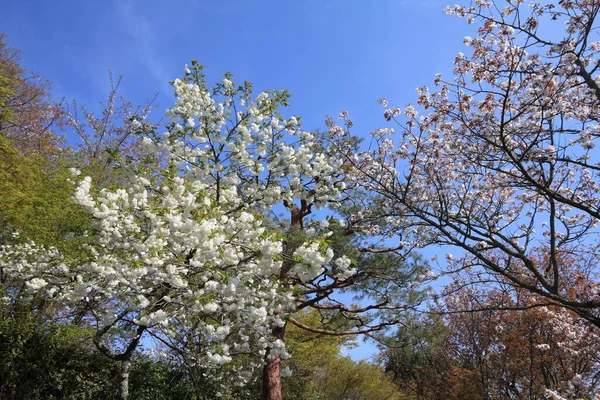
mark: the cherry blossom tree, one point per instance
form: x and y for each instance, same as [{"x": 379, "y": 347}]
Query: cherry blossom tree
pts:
[
  {"x": 319, "y": 257},
  {"x": 190, "y": 254},
  {"x": 501, "y": 164},
  {"x": 187, "y": 249},
  {"x": 107, "y": 136}
]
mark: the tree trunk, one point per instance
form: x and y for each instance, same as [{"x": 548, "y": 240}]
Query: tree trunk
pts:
[
  {"x": 271, "y": 387},
  {"x": 124, "y": 384},
  {"x": 124, "y": 357},
  {"x": 271, "y": 378}
]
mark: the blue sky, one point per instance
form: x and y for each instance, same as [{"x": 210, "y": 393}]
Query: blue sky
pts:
[{"x": 332, "y": 55}]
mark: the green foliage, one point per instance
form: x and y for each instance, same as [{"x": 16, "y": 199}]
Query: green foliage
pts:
[
  {"x": 155, "y": 380},
  {"x": 410, "y": 351},
  {"x": 346, "y": 379},
  {"x": 421, "y": 363},
  {"x": 35, "y": 198},
  {"x": 310, "y": 353},
  {"x": 320, "y": 372},
  {"x": 41, "y": 360},
  {"x": 8, "y": 83}
]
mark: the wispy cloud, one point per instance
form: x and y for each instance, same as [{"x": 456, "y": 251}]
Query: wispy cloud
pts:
[{"x": 143, "y": 37}]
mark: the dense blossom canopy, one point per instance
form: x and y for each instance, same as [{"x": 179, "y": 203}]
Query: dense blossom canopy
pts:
[{"x": 185, "y": 254}]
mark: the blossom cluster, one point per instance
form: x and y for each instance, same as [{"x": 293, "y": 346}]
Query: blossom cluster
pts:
[
  {"x": 185, "y": 252},
  {"x": 499, "y": 158}
]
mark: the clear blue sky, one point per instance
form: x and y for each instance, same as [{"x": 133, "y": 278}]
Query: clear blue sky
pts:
[{"x": 330, "y": 54}]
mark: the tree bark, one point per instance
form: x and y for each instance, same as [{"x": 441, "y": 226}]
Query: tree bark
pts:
[
  {"x": 124, "y": 357},
  {"x": 124, "y": 384},
  {"x": 271, "y": 388},
  {"x": 271, "y": 378}
]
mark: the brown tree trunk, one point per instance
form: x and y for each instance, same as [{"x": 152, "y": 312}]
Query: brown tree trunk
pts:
[
  {"x": 271, "y": 387},
  {"x": 272, "y": 379},
  {"x": 271, "y": 382}
]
